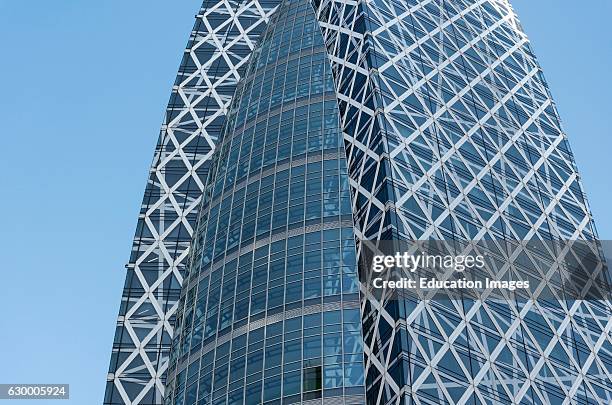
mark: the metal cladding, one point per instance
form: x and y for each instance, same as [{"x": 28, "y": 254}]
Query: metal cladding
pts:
[{"x": 343, "y": 121}]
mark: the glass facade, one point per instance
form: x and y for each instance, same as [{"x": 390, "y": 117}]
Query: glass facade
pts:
[
  {"x": 224, "y": 34},
  {"x": 270, "y": 312},
  {"x": 451, "y": 134},
  {"x": 332, "y": 122}
]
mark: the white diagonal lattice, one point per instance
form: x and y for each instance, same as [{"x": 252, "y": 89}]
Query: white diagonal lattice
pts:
[
  {"x": 451, "y": 133},
  {"x": 223, "y": 37}
]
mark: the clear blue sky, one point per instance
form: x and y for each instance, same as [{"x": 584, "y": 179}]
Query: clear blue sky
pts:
[{"x": 84, "y": 85}]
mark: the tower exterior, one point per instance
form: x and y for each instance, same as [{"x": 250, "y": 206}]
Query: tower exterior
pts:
[
  {"x": 270, "y": 308},
  {"x": 349, "y": 121},
  {"x": 222, "y": 39}
]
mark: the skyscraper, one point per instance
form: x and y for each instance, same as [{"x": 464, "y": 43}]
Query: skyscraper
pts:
[
  {"x": 337, "y": 122},
  {"x": 223, "y": 37}
]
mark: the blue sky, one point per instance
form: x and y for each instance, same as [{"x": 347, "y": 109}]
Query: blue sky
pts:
[{"x": 84, "y": 85}]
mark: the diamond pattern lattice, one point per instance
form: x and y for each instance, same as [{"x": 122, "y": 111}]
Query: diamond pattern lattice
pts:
[
  {"x": 451, "y": 133},
  {"x": 223, "y": 37}
]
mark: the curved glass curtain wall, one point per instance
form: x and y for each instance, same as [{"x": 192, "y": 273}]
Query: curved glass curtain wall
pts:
[{"x": 270, "y": 310}]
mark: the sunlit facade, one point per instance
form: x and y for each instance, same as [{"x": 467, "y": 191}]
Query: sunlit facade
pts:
[
  {"x": 313, "y": 125},
  {"x": 271, "y": 306}
]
